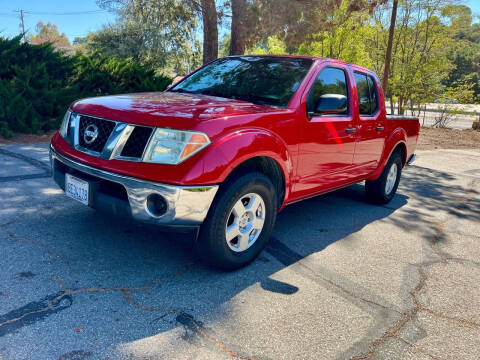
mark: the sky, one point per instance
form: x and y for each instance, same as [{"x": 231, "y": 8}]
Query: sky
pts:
[{"x": 75, "y": 18}]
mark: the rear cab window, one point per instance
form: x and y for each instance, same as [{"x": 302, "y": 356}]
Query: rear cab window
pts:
[{"x": 367, "y": 94}]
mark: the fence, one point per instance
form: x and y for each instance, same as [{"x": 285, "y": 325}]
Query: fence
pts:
[{"x": 458, "y": 116}]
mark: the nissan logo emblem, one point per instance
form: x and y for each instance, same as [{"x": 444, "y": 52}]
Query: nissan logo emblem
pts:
[{"x": 90, "y": 133}]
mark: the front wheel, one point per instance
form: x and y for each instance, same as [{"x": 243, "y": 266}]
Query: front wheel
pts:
[
  {"x": 239, "y": 222},
  {"x": 382, "y": 190}
]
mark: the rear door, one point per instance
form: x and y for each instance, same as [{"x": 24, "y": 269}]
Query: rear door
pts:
[
  {"x": 370, "y": 124},
  {"x": 327, "y": 140}
]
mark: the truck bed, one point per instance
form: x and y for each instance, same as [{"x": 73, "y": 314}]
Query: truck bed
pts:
[{"x": 401, "y": 117}]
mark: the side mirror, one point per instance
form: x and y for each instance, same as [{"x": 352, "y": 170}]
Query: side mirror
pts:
[{"x": 330, "y": 104}]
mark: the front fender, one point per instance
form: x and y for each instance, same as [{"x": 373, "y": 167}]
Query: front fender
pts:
[
  {"x": 229, "y": 151},
  {"x": 398, "y": 136}
]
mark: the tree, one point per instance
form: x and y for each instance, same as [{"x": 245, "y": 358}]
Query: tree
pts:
[
  {"x": 388, "y": 55},
  {"x": 419, "y": 62},
  {"x": 122, "y": 40},
  {"x": 224, "y": 46},
  {"x": 344, "y": 38},
  {"x": 464, "y": 51},
  {"x": 238, "y": 29},
  {"x": 166, "y": 29},
  {"x": 210, "y": 30},
  {"x": 293, "y": 21},
  {"x": 160, "y": 33},
  {"x": 273, "y": 45},
  {"x": 49, "y": 33}
]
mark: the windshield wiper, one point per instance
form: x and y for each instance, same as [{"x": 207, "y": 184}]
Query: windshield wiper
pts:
[
  {"x": 183, "y": 91},
  {"x": 253, "y": 99},
  {"x": 213, "y": 93},
  {"x": 200, "y": 92}
]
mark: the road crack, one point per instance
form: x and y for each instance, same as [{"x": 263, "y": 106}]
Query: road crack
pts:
[
  {"x": 288, "y": 257},
  {"x": 191, "y": 323},
  {"x": 443, "y": 258},
  {"x": 66, "y": 294},
  {"x": 13, "y": 237},
  {"x": 415, "y": 348}
]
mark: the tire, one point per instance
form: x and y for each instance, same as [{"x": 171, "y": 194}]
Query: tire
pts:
[
  {"x": 377, "y": 191},
  {"x": 252, "y": 192}
]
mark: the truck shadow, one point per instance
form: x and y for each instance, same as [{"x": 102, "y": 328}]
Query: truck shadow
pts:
[{"x": 161, "y": 276}]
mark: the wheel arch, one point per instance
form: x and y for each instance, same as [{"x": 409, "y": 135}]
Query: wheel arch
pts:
[
  {"x": 402, "y": 149},
  {"x": 267, "y": 166},
  {"x": 397, "y": 141}
]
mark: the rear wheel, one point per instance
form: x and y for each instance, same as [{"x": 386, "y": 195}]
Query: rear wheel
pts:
[
  {"x": 383, "y": 189},
  {"x": 239, "y": 222}
]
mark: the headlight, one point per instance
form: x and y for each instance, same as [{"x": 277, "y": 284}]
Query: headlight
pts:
[
  {"x": 64, "y": 126},
  {"x": 168, "y": 146}
]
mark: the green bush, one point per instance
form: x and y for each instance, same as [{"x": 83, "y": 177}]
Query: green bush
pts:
[
  {"x": 32, "y": 81},
  {"x": 96, "y": 75},
  {"x": 37, "y": 83}
]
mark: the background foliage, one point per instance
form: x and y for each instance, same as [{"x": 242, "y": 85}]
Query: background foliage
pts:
[
  {"x": 37, "y": 83},
  {"x": 435, "y": 53},
  {"x": 436, "y": 45}
]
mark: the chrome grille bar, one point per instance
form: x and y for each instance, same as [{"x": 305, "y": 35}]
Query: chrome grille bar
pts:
[{"x": 114, "y": 144}]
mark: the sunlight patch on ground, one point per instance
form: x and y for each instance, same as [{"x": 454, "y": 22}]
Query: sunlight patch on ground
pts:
[{"x": 52, "y": 191}]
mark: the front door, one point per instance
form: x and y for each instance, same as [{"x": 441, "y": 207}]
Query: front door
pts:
[{"x": 327, "y": 134}]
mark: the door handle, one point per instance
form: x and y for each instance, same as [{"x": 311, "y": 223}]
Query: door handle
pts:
[
  {"x": 350, "y": 130},
  {"x": 380, "y": 128}
]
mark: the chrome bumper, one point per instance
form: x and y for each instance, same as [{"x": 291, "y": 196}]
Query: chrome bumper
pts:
[{"x": 186, "y": 205}]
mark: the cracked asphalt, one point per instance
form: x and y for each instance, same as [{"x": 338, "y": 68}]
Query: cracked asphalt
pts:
[{"x": 340, "y": 278}]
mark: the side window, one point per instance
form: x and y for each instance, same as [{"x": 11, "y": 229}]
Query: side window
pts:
[
  {"x": 373, "y": 95},
  {"x": 328, "y": 94},
  {"x": 367, "y": 94},
  {"x": 363, "y": 94}
]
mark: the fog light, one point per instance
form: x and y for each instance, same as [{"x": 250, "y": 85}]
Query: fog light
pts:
[{"x": 156, "y": 205}]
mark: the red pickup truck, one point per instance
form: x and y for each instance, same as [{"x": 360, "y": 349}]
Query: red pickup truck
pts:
[{"x": 227, "y": 147}]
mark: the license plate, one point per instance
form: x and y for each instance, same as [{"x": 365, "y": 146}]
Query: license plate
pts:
[{"x": 76, "y": 188}]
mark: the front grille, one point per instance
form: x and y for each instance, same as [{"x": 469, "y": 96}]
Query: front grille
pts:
[
  {"x": 137, "y": 142},
  {"x": 105, "y": 128}
]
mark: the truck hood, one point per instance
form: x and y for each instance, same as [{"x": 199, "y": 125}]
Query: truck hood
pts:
[{"x": 167, "y": 109}]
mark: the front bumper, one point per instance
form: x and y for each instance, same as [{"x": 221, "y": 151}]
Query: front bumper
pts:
[{"x": 187, "y": 206}]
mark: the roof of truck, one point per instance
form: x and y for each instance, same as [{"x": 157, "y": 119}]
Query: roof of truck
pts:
[
  {"x": 313, "y": 58},
  {"x": 281, "y": 55},
  {"x": 294, "y": 57}
]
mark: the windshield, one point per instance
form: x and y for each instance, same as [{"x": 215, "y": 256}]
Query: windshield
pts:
[{"x": 269, "y": 81}]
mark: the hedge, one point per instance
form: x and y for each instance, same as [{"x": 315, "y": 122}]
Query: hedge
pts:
[{"x": 37, "y": 83}]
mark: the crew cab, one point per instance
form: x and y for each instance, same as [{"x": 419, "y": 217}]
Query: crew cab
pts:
[{"x": 223, "y": 150}]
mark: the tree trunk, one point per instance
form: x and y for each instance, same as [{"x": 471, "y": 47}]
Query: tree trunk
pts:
[
  {"x": 388, "y": 55},
  {"x": 238, "y": 30},
  {"x": 210, "y": 31},
  {"x": 424, "y": 110}
]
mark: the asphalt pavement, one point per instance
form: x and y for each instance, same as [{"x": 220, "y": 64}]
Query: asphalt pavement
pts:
[{"x": 340, "y": 278}]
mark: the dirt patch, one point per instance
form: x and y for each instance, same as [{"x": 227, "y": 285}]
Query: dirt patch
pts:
[
  {"x": 434, "y": 138},
  {"x": 28, "y": 138}
]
